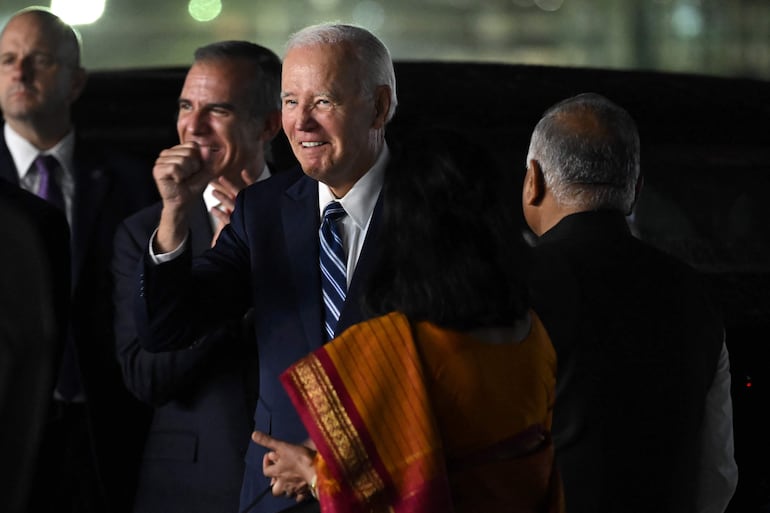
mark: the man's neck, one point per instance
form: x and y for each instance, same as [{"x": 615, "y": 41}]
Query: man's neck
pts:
[{"x": 42, "y": 135}]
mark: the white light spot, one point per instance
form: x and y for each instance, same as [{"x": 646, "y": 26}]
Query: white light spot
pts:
[{"x": 78, "y": 12}]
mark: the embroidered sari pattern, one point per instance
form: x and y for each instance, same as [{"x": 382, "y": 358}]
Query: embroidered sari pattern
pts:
[{"x": 351, "y": 395}]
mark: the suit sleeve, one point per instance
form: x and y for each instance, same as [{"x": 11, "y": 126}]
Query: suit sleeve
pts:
[
  {"x": 158, "y": 377},
  {"x": 176, "y": 303}
]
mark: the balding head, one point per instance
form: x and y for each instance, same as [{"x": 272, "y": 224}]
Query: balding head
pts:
[
  {"x": 40, "y": 75},
  {"x": 588, "y": 150}
]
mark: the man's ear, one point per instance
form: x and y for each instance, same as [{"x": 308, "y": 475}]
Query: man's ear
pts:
[
  {"x": 534, "y": 184},
  {"x": 381, "y": 106},
  {"x": 77, "y": 83},
  {"x": 637, "y": 191},
  {"x": 271, "y": 126}
]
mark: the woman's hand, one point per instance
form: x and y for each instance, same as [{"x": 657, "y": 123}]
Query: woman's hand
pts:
[{"x": 289, "y": 466}]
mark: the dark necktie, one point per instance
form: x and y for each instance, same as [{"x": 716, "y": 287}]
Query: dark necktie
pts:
[
  {"x": 48, "y": 188},
  {"x": 68, "y": 384},
  {"x": 334, "y": 283}
]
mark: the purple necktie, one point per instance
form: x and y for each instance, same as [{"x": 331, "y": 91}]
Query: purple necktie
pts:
[
  {"x": 48, "y": 188},
  {"x": 68, "y": 384}
]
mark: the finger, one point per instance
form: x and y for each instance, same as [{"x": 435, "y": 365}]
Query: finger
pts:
[
  {"x": 265, "y": 440},
  {"x": 249, "y": 178},
  {"x": 227, "y": 187},
  {"x": 222, "y": 217},
  {"x": 267, "y": 468},
  {"x": 227, "y": 201}
]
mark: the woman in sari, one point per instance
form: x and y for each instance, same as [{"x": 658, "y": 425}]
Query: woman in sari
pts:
[{"x": 442, "y": 401}]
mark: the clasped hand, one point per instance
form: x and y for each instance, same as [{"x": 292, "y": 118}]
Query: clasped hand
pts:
[{"x": 289, "y": 466}]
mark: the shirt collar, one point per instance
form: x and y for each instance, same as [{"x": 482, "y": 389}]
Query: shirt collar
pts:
[
  {"x": 24, "y": 153},
  {"x": 208, "y": 193},
  {"x": 360, "y": 200}
]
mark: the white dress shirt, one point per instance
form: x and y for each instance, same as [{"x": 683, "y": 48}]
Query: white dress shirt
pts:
[
  {"x": 718, "y": 477},
  {"x": 359, "y": 204},
  {"x": 24, "y": 154}
]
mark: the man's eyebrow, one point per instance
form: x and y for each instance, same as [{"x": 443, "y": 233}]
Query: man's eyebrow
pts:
[
  {"x": 220, "y": 105},
  {"x": 213, "y": 105}
]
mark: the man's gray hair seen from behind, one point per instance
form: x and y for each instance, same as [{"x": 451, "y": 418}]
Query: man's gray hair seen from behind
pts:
[
  {"x": 373, "y": 56},
  {"x": 266, "y": 79},
  {"x": 588, "y": 150}
]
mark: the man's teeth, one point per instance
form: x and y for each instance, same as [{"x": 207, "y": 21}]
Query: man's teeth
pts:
[{"x": 311, "y": 144}]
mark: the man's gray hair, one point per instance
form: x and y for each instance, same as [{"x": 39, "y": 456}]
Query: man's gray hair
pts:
[
  {"x": 372, "y": 55},
  {"x": 592, "y": 164}
]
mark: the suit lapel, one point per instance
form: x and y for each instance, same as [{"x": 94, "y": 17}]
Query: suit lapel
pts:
[
  {"x": 300, "y": 218},
  {"x": 200, "y": 227},
  {"x": 7, "y": 167}
]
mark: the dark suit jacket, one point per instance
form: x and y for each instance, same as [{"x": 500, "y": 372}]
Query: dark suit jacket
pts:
[
  {"x": 34, "y": 301},
  {"x": 637, "y": 342},
  {"x": 109, "y": 186},
  {"x": 204, "y": 394},
  {"x": 266, "y": 259}
]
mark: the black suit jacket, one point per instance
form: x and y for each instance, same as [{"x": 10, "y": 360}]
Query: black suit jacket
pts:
[
  {"x": 34, "y": 301},
  {"x": 204, "y": 395},
  {"x": 637, "y": 342},
  {"x": 267, "y": 258},
  {"x": 109, "y": 186}
]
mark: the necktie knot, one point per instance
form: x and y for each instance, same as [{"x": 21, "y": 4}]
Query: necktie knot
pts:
[
  {"x": 334, "y": 211},
  {"x": 333, "y": 262},
  {"x": 48, "y": 188}
]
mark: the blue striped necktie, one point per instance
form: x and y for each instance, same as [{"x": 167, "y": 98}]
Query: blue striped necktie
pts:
[{"x": 334, "y": 283}]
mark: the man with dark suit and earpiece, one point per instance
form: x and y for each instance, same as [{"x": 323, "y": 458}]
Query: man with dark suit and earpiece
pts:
[
  {"x": 91, "y": 441},
  {"x": 204, "y": 394}
]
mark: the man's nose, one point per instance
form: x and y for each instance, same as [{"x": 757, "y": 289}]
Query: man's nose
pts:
[
  {"x": 22, "y": 69},
  {"x": 304, "y": 118},
  {"x": 197, "y": 122}
]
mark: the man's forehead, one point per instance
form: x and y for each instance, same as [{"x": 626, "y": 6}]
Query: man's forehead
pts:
[{"x": 28, "y": 32}]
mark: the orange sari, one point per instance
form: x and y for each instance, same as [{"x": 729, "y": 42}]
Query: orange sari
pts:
[{"x": 390, "y": 436}]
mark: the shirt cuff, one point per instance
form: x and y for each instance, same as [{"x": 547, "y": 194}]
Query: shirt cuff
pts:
[{"x": 165, "y": 257}]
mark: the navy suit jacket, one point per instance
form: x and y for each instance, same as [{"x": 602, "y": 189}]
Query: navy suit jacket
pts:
[
  {"x": 267, "y": 258},
  {"x": 204, "y": 394},
  {"x": 109, "y": 186}
]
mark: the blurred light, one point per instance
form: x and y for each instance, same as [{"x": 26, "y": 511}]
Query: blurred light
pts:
[
  {"x": 78, "y": 12},
  {"x": 523, "y": 3},
  {"x": 491, "y": 26},
  {"x": 324, "y": 5},
  {"x": 204, "y": 10},
  {"x": 369, "y": 14},
  {"x": 549, "y": 5},
  {"x": 687, "y": 20}
]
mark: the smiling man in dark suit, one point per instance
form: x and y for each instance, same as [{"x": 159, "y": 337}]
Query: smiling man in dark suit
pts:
[
  {"x": 205, "y": 394},
  {"x": 338, "y": 90},
  {"x": 40, "y": 77}
]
